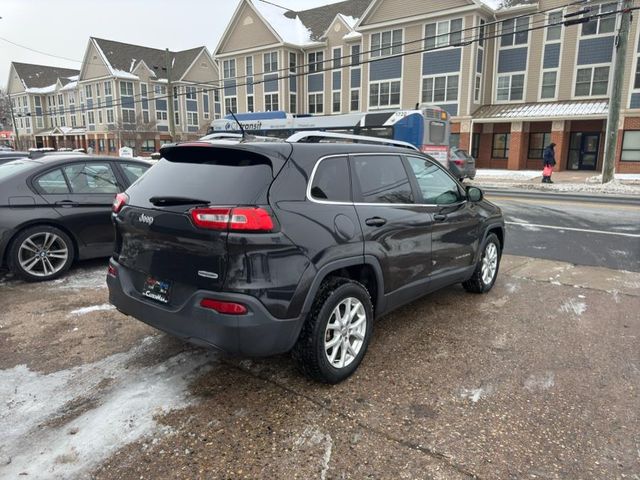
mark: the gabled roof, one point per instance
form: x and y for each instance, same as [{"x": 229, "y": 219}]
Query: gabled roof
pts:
[
  {"x": 123, "y": 58},
  {"x": 40, "y": 76},
  {"x": 318, "y": 19}
]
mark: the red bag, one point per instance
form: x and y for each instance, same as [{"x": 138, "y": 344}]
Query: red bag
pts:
[{"x": 547, "y": 171}]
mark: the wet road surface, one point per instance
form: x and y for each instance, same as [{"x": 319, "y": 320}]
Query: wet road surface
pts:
[{"x": 540, "y": 378}]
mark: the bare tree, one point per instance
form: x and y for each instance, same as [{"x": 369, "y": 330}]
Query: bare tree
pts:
[
  {"x": 134, "y": 133},
  {"x": 5, "y": 111}
]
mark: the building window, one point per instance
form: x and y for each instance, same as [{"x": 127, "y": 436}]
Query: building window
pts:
[
  {"x": 477, "y": 88},
  {"x": 293, "y": 103},
  {"x": 128, "y": 116},
  {"x": 73, "y": 121},
  {"x": 109, "y": 116},
  {"x": 514, "y": 32},
  {"x": 99, "y": 117},
  {"x": 631, "y": 146},
  {"x": 548, "y": 89},
  {"x": 205, "y": 105},
  {"x": 293, "y": 62},
  {"x": 91, "y": 118},
  {"x": 592, "y": 81},
  {"x": 316, "y": 103},
  {"x": 384, "y": 94},
  {"x": 230, "y": 104},
  {"x": 190, "y": 93},
  {"x": 554, "y": 30},
  {"x": 270, "y": 62},
  {"x": 355, "y": 55},
  {"x": 335, "y": 104},
  {"x": 87, "y": 91},
  {"x": 101, "y": 144},
  {"x": 355, "y": 100},
  {"x": 500, "y": 147},
  {"x": 481, "y": 31},
  {"x": 510, "y": 87},
  {"x": 440, "y": 89},
  {"x": 107, "y": 88},
  {"x": 126, "y": 89},
  {"x": 192, "y": 119},
  {"x": 250, "y": 106},
  {"x": 315, "y": 60},
  {"x": 271, "y": 102},
  {"x": 161, "y": 115},
  {"x": 386, "y": 43},
  {"x": 229, "y": 68},
  {"x": 337, "y": 57},
  {"x": 148, "y": 146},
  {"x": 60, "y": 99},
  {"x": 600, "y": 25},
  {"x": 537, "y": 144},
  {"x": 440, "y": 34},
  {"x": 475, "y": 145}
]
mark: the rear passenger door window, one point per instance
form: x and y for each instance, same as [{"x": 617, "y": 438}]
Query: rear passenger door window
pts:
[
  {"x": 91, "y": 178},
  {"x": 331, "y": 181},
  {"x": 133, "y": 171},
  {"x": 381, "y": 179},
  {"x": 436, "y": 186}
]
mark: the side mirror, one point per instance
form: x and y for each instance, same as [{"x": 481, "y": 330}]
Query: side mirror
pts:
[{"x": 474, "y": 194}]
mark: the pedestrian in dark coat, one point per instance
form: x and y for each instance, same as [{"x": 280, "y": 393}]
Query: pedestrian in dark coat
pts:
[{"x": 549, "y": 160}]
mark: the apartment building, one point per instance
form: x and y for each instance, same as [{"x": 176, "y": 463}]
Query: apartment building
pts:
[
  {"x": 119, "y": 97},
  {"x": 513, "y": 79}
]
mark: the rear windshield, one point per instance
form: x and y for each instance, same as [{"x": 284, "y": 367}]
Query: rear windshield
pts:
[
  {"x": 461, "y": 153},
  {"x": 15, "y": 166},
  {"x": 217, "y": 184}
]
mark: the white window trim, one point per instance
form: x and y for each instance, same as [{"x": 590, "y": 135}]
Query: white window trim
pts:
[
  {"x": 224, "y": 103},
  {"x": 359, "y": 90},
  {"x": 446, "y": 76},
  {"x": 592, "y": 66},
  {"x": 510, "y": 74},
  {"x": 477, "y": 99},
  {"x": 391, "y": 54},
  {"x": 265, "y": 101},
  {"x": 438, "y": 20},
  {"x": 263, "y": 62},
  {"x": 384, "y": 107},
  {"x": 315, "y": 94},
  {"x": 336, "y": 112},
  {"x": 597, "y": 34},
  {"x": 333, "y": 49},
  {"x": 321, "y": 67},
  {"x": 190, "y": 117},
  {"x": 556, "y": 69},
  {"x": 294, "y": 94},
  {"x": 499, "y": 45}
]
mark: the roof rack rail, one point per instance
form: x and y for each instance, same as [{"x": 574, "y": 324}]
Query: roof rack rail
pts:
[
  {"x": 239, "y": 137},
  {"x": 300, "y": 137}
]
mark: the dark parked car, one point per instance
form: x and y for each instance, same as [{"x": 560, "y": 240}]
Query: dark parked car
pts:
[
  {"x": 461, "y": 164},
  {"x": 265, "y": 248},
  {"x": 57, "y": 209},
  {"x": 7, "y": 156}
]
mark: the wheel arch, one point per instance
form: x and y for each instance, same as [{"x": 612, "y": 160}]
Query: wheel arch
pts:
[{"x": 36, "y": 223}]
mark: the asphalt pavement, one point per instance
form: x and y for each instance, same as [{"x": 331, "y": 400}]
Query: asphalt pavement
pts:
[{"x": 582, "y": 230}]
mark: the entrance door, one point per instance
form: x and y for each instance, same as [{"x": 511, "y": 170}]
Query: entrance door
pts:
[{"x": 583, "y": 151}]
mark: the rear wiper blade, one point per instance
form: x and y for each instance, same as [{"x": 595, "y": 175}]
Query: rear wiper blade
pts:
[{"x": 160, "y": 201}]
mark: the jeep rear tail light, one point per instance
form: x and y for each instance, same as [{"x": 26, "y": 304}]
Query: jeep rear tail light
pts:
[
  {"x": 252, "y": 219},
  {"x": 119, "y": 202}
]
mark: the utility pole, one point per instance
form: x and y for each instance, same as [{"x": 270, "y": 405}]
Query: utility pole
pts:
[
  {"x": 15, "y": 125},
  {"x": 172, "y": 120},
  {"x": 613, "y": 120}
]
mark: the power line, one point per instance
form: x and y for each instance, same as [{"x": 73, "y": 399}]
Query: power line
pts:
[{"x": 363, "y": 62}]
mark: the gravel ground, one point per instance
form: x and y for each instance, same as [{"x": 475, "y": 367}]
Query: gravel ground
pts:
[{"x": 538, "y": 379}]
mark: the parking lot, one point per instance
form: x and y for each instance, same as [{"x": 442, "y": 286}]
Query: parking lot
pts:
[{"x": 538, "y": 379}]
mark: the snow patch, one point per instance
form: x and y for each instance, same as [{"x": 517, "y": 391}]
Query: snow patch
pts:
[
  {"x": 475, "y": 394},
  {"x": 76, "y": 280},
  {"x": 291, "y": 30},
  {"x": 573, "y": 306},
  {"x": 540, "y": 382},
  {"x": 123, "y": 400},
  {"x": 501, "y": 174},
  {"x": 92, "y": 308}
]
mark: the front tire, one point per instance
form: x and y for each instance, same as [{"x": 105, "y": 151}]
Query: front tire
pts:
[
  {"x": 336, "y": 333},
  {"x": 486, "y": 272},
  {"x": 41, "y": 253}
]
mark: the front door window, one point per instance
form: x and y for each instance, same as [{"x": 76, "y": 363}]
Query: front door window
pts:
[{"x": 583, "y": 151}]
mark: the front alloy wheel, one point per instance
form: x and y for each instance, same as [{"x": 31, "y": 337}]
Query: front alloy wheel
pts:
[
  {"x": 41, "y": 253},
  {"x": 486, "y": 271}
]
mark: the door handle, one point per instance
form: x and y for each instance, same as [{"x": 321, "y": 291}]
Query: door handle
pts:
[
  {"x": 375, "y": 221},
  {"x": 67, "y": 203},
  {"x": 439, "y": 217}
]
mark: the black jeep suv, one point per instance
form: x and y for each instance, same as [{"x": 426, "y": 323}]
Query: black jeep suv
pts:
[{"x": 265, "y": 248}]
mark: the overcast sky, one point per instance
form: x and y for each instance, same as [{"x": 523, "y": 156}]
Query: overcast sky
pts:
[{"x": 63, "y": 27}]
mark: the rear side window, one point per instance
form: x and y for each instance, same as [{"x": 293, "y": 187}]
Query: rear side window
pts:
[
  {"x": 133, "y": 171},
  {"x": 381, "y": 179},
  {"x": 241, "y": 183},
  {"x": 52, "y": 182},
  {"x": 91, "y": 178},
  {"x": 331, "y": 180}
]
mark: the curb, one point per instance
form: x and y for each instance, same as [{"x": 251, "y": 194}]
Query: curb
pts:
[{"x": 579, "y": 197}]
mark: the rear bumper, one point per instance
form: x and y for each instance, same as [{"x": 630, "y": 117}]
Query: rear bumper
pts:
[{"x": 256, "y": 333}]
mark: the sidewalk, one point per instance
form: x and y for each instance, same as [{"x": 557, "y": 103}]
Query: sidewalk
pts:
[{"x": 565, "y": 181}]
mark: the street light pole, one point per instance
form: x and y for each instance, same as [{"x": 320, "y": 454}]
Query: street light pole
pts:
[
  {"x": 613, "y": 120},
  {"x": 172, "y": 121}
]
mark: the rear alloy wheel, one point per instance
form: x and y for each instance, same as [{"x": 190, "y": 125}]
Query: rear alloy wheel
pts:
[
  {"x": 484, "y": 276},
  {"x": 336, "y": 334},
  {"x": 41, "y": 253}
]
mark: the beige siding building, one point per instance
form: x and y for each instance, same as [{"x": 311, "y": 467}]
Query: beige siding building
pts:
[
  {"x": 119, "y": 97},
  {"x": 513, "y": 79}
]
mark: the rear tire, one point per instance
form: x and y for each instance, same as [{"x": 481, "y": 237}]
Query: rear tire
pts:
[
  {"x": 336, "y": 333},
  {"x": 41, "y": 253},
  {"x": 486, "y": 272}
]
